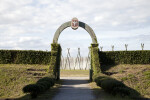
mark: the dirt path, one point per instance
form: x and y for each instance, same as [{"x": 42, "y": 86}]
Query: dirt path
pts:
[{"x": 74, "y": 88}]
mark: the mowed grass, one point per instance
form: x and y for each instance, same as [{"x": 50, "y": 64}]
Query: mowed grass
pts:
[
  {"x": 134, "y": 76},
  {"x": 13, "y": 77},
  {"x": 74, "y": 73}
]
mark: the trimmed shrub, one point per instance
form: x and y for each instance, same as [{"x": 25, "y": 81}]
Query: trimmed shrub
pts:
[
  {"x": 30, "y": 88},
  {"x": 125, "y": 57},
  {"x": 100, "y": 79},
  {"x": 54, "y": 67},
  {"x": 24, "y": 57},
  {"x": 95, "y": 63},
  {"x": 122, "y": 91},
  {"x": 41, "y": 85},
  {"x": 108, "y": 84},
  {"x": 115, "y": 87}
]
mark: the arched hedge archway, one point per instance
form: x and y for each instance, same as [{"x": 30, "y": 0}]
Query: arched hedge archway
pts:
[{"x": 54, "y": 68}]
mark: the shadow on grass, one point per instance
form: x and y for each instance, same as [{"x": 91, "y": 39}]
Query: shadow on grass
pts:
[
  {"x": 67, "y": 87},
  {"x": 69, "y": 82},
  {"x": 106, "y": 61},
  {"x": 100, "y": 94},
  {"x": 105, "y": 67},
  {"x": 47, "y": 95}
]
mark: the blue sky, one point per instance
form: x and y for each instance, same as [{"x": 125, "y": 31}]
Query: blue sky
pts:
[{"x": 31, "y": 24}]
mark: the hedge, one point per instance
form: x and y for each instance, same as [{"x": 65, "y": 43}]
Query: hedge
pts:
[
  {"x": 95, "y": 63},
  {"x": 54, "y": 67},
  {"x": 114, "y": 86},
  {"x": 41, "y": 85},
  {"x": 24, "y": 57},
  {"x": 125, "y": 57}
]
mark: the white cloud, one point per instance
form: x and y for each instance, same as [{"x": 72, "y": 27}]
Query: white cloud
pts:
[{"x": 31, "y": 24}]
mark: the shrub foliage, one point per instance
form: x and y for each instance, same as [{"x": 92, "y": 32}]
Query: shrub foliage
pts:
[
  {"x": 125, "y": 57},
  {"x": 24, "y": 57},
  {"x": 95, "y": 64},
  {"x": 41, "y": 85},
  {"x": 114, "y": 86},
  {"x": 54, "y": 67}
]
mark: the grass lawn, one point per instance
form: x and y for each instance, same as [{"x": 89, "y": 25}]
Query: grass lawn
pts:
[
  {"x": 13, "y": 77},
  {"x": 135, "y": 76},
  {"x": 74, "y": 73}
]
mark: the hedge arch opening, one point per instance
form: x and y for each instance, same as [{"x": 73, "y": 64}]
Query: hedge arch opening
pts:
[{"x": 54, "y": 68}]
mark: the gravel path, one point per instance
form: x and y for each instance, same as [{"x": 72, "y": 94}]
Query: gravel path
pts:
[{"x": 74, "y": 88}]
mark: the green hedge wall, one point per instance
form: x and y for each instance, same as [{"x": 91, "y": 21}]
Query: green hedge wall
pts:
[
  {"x": 54, "y": 67},
  {"x": 95, "y": 65},
  {"x": 24, "y": 57},
  {"x": 125, "y": 57}
]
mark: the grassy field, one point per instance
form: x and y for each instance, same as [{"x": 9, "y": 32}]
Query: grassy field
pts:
[
  {"x": 13, "y": 77},
  {"x": 75, "y": 73},
  {"x": 134, "y": 76}
]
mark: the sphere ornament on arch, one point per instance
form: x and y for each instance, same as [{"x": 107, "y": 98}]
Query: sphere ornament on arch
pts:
[{"x": 74, "y": 24}]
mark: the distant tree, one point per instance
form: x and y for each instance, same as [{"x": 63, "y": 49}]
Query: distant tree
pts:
[
  {"x": 68, "y": 49},
  {"x": 68, "y": 59},
  {"x": 126, "y": 46},
  {"x": 142, "y": 46},
  {"x": 101, "y": 47},
  {"x": 112, "y": 47}
]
